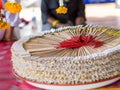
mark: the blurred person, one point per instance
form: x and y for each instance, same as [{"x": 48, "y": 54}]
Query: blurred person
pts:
[
  {"x": 13, "y": 19},
  {"x": 74, "y": 16}
]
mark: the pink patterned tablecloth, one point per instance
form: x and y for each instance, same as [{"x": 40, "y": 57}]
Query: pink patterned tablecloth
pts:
[{"x": 8, "y": 81}]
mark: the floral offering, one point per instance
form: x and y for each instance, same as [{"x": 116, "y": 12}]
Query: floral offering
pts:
[
  {"x": 61, "y": 9},
  {"x": 12, "y": 6}
]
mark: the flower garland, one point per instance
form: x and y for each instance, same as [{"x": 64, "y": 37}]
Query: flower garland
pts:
[
  {"x": 3, "y": 24},
  {"x": 61, "y": 9},
  {"x": 12, "y": 6}
]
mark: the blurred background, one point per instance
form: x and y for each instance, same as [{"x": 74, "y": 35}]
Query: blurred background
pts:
[{"x": 98, "y": 12}]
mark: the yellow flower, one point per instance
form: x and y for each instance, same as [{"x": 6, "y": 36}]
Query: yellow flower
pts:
[
  {"x": 4, "y": 25},
  {"x": 61, "y": 10},
  {"x": 13, "y": 7}
]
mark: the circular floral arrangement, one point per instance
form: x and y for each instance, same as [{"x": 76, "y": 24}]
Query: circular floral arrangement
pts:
[
  {"x": 94, "y": 38},
  {"x": 69, "y": 56}
]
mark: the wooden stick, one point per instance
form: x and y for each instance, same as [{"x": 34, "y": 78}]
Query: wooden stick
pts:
[
  {"x": 41, "y": 49},
  {"x": 87, "y": 50}
]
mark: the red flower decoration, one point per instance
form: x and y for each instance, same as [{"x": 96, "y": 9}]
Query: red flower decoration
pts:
[{"x": 79, "y": 41}]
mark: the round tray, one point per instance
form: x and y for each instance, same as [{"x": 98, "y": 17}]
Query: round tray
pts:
[
  {"x": 76, "y": 87},
  {"x": 70, "y": 87}
]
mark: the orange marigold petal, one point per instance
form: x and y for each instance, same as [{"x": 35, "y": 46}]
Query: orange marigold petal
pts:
[
  {"x": 13, "y": 7},
  {"x": 61, "y": 10}
]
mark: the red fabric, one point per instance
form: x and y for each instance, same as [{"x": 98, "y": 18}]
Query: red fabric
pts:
[
  {"x": 7, "y": 80},
  {"x": 0, "y": 4},
  {"x": 79, "y": 41}
]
